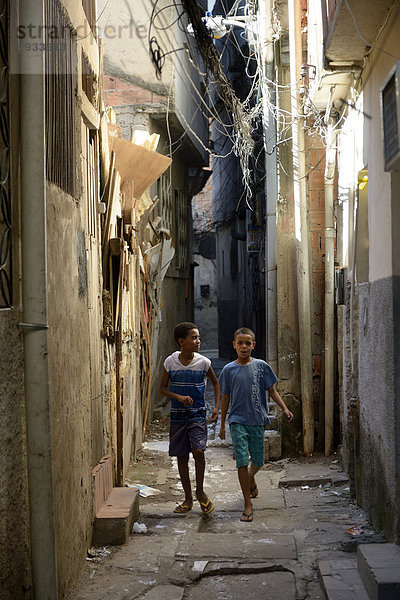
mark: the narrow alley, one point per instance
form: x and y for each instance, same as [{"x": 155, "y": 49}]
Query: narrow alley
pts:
[
  {"x": 193, "y": 175},
  {"x": 302, "y": 515}
]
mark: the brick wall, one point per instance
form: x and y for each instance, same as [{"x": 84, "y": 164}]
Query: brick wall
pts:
[{"x": 119, "y": 93}]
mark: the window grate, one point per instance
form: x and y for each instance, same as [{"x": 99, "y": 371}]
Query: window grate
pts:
[
  {"x": 89, "y": 8},
  {"x": 6, "y": 281},
  {"x": 60, "y": 99},
  {"x": 391, "y": 120}
]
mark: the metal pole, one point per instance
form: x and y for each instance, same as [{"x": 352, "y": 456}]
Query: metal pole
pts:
[
  {"x": 34, "y": 299},
  {"x": 301, "y": 229}
]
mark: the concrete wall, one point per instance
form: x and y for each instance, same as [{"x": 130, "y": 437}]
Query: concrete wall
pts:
[
  {"x": 125, "y": 30},
  {"x": 370, "y": 328},
  {"x": 288, "y": 333},
  {"x": 69, "y": 371},
  {"x": 15, "y": 572},
  {"x": 376, "y": 491},
  {"x": 205, "y": 307}
]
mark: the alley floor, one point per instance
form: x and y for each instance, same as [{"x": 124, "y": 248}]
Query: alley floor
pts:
[{"x": 301, "y": 516}]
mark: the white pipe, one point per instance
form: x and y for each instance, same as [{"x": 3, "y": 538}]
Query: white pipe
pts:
[
  {"x": 330, "y": 165},
  {"x": 301, "y": 229},
  {"x": 266, "y": 58},
  {"x": 34, "y": 299}
]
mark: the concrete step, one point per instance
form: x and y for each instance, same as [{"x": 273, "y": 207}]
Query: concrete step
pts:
[
  {"x": 341, "y": 580},
  {"x": 114, "y": 518},
  {"x": 379, "y": 567},
  {"x": 272, "y": 445}
]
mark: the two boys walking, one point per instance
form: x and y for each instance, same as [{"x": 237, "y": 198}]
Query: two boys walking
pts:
[{"x": 244, "y": 383}]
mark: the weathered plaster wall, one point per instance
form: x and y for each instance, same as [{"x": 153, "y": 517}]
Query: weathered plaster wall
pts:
[
  {"x": 377, "y": 473},
  {"x": 15, "y": 572},
  {"x": 69, "y": 372},
  {"x": 377, "y": 409},
  {"x": 288, "y": 336},
  {"x": 125, "y": 34},
  {"x": 379, "y": 183},
  {"x": 205, "y": 307},
  {"x": 14, "y": 514}
]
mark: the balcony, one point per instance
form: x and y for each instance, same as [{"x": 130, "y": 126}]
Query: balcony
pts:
[{"x": 349, "y": 36}]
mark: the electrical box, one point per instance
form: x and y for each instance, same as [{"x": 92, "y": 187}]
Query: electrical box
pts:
[{"x": 341, "y": 275}]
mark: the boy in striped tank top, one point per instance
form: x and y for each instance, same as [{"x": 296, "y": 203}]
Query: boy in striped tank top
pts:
[{"x": 186, "y": 372}]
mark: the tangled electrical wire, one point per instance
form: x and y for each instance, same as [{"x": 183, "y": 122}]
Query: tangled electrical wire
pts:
[{"x": 211, "y": 87}]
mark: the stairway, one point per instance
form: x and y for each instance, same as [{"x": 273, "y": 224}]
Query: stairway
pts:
[{"x": 373, "y": 575}]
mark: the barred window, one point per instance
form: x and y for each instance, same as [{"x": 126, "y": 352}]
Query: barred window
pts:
[
  {"x": 89, "y": 8},
  {"x": 181, "y": 230},
  {"x": 89, "y": 85},
  {"x": 6, "y": 285},
  {"x": 60, "y": 98},
  {"x": 165, "y": 207}
]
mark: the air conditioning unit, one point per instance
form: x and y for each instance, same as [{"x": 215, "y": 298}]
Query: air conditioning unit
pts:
[{"x": 390, "y": 105}]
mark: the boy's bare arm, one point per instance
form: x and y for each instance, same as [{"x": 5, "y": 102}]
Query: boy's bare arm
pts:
[
  {"x": 224, "y": 409},
  {"x": 273, "y": 393},
  {"x": 164, "y": 391},
  {"x": 215, "y": 384}
]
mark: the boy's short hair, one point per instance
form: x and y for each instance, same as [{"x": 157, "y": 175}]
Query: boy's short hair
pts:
[
  {"x": 182, "y": 329},
  {"x": 244, "y": 331}
]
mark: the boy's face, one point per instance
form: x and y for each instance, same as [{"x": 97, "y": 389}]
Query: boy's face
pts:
[
  {"x": 191, "y": 343},
  {"x": 243, "y": 344}
]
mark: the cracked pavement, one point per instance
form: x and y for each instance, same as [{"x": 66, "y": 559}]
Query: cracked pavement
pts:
[{"x": 301, "y": 516}]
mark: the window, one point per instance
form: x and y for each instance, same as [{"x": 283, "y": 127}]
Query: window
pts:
[
  {"x": 60, "y": 99},
  {"x": 89, "y": 8},
  {"x": 90, "y": 172},
  {"x": 6, "y": 298},
  {"x": 180, "y": 231},
  {"x": 89, "y": 84}
]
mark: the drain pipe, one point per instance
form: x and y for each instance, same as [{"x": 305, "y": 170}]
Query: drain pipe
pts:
[
  {"x": 301, "y": 228},
  {"x": 271, "y": 187},
  {"x": 330, "y": 165},
  {"x": 34, "y": 301}
]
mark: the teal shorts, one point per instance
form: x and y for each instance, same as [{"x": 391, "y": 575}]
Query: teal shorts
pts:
[{"x": 248, "y": 439}]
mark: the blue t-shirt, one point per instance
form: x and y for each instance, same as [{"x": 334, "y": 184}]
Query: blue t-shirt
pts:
[
  {"x": 247, "y": 387},
  {"x": 187, "y": 380}
]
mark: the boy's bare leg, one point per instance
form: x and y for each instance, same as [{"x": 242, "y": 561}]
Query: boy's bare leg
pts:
[
  {"x": 200, "y": 465},
  {"x": 243, "y": 475},
  {"x": 183, "y": 468},
  {"x": 251, "y": 473}
]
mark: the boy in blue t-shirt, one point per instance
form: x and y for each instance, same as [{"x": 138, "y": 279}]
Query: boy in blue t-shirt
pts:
[
  {"x": 186, "y": 372},
  {"x": 244, "y": 383}
]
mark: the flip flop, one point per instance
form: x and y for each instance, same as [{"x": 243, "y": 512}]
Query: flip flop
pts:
[
  {"x": 183, "y": 508},
  {"x": 254, "y": 492},
  {"x": 207, "y": 507},
  {"x": 247, "y": 517}
]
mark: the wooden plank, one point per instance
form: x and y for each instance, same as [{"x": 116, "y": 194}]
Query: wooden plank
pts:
[
  {"x": 143, "y": 166},
  {"x": 119, "y": 387},
  {"x": 108, "y": 221},
  {"x": 116, "y": 246}
]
